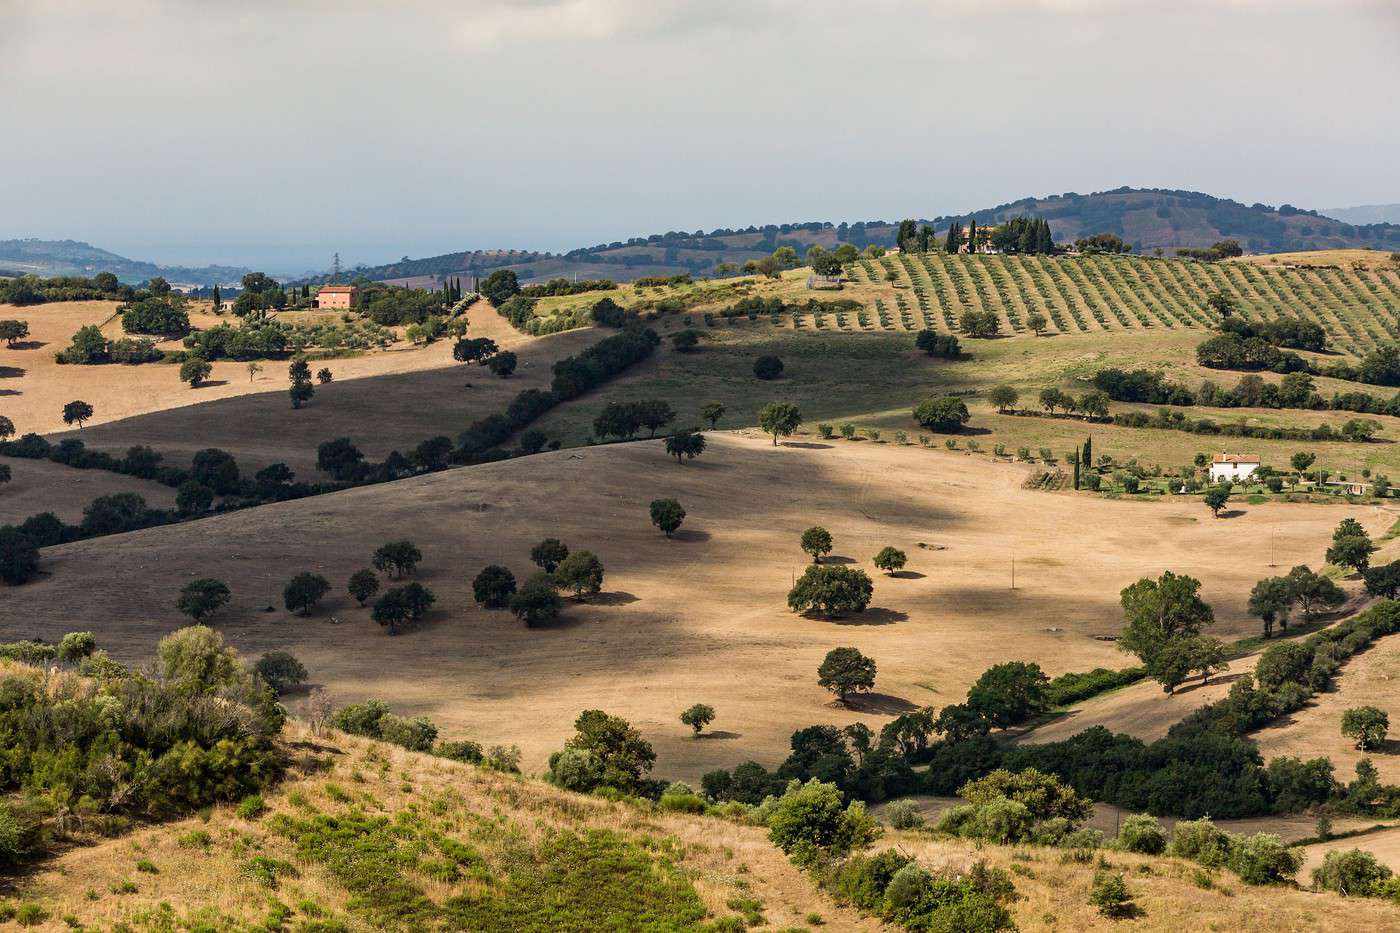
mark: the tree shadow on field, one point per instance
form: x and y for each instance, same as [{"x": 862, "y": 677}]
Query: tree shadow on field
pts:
[
  {"x": 690, "y": 536},
  {"x": 617, "y": 598},
  {"x": 1231, "y": 513},
  {"x": 720, "y": 734},
  {"x": 838, "y": 559},
  {"x": 12, "y": 372},
  {"x": 879, "y": 703},
  {"x": 209, "y": 383},
  {"x": 876, "y": 616},
  {"x": 10, "y": 392},
  {"x": 907, "y": 575},
  {"x": 806, "y": 445},
  {"x": 1196, "y": 684},
  {"x": 29, "y": 345}
]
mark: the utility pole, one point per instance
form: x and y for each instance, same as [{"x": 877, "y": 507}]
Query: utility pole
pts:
[
  {"x": 1013, "y": 570},
  {"x": 335, "y": 267}
]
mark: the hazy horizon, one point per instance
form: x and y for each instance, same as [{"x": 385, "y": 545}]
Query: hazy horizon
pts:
[{"x": 273, "y": 135}]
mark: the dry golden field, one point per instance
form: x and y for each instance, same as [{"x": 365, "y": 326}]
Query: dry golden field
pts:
[
  {"x": 382, "y": 400},
  {"x": 34, "y": 388},
  {"x": 701, "y": 617}
]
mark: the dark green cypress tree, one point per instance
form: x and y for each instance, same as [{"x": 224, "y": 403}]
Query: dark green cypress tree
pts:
[
  {"x": 1076, "y": 473},
  {"x": 906, "y": 236},
  {"x": 217, "y": 299},
  {"x": 972, "y": 235},
  {"x": 954, "y": 241},
  {"x": 1088, "y": 456}
]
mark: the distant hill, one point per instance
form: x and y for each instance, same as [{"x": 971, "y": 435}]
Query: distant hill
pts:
[
  {"x": 1148, "y": 218},
  {"x": 73, "y": 257},
  {"x": 1365, "y": 214}
]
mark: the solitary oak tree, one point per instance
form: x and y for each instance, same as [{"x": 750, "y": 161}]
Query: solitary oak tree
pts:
[
  {"x": 816, "y": 541},
  {"x": 890, "y": 560},
  {"x": 76, "y": 413},
  {"x": 689, "y": 444},
  {"x": 779, "y": 419},
  {"x": 845, "y": 671},
  {"x": 1216, "y": 497},
  {"x": 201, "y": 598},
  {"x": 830, "y": 591},
  {"x": 667, "y": 514},
  {"x": 1367, "y": 725},
  {"x": 698, "y": 717},
  {"x": 712, "y": 412},
  {"x": 304, "y": 592}
]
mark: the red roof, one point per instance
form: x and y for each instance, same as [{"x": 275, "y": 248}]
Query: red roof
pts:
[
  {"x": 336, "y": 289},
  {"x": 1235, "y": 458}
]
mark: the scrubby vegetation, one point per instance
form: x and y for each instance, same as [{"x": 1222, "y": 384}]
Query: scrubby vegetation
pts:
[{"x": 95, "y": 747}]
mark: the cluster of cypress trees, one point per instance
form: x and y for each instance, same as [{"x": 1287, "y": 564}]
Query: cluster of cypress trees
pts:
[
  {"x": 1024, "y": 235},
  {"x": 1027, "y": 235},
  {"x": 451, "y": 292}
]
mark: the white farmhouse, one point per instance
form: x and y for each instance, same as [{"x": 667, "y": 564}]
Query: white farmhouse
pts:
[{"x": 1234, "y": 467}]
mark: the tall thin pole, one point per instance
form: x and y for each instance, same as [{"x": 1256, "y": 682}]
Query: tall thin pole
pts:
[{"x": 1013, "y": 570}]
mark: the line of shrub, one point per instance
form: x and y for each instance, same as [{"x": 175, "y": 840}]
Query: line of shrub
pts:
[
  {"x": 122, "y": 512},
  {"x": 1295, "y": 390},
  {"x": 573, "y": 376},
  {"x": 1075, "y": 687},
  {"x": 557, "y": 287}
]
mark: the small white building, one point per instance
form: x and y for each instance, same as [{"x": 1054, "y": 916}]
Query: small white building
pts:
[{"x": 1234, "y": 467}]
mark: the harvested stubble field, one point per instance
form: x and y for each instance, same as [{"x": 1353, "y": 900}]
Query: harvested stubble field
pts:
[
  {"x": 35, "y": 387},
  {"x": 700, "y": 618},
  {"x": 43, "y": 486},
  {"x": 1368, "y": 679},
  {"x": 382, "y": 401}
]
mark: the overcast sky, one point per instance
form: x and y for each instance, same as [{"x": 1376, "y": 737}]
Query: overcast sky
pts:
[{"x": 274, "y": 132}]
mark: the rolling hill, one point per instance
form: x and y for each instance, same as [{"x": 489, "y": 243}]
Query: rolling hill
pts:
[
  {"x": 73, "y": 257},
  {"x": 1148, "y": 218},
  {"x": 1365, "y": 214}
]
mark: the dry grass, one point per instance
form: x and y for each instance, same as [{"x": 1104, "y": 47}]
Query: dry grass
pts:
[
  {"x": 44, "y": 486},
  {"x": 34, "y": 387},
  {"x": 700, "y": 618},
  {"x": 1342, "y": 258},
  {"x": 722, "y": 859},
  {"x": 383, "y": 400},
  {"x": 1054, "y": 895},
  {"x": 1369, "y": 679}
]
